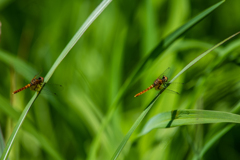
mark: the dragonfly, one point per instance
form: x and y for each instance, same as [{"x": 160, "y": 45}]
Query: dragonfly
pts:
[
  {"x": 160, "y": 83},
  {"x": 35, "y": 85}
]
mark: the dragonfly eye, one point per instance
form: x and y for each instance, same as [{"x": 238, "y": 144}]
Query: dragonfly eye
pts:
[
  {"x": 165, "y": 78},
  {"x": 41, "y": 79}
]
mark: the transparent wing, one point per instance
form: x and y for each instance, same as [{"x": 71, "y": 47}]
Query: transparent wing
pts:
[
  {"x": 164, "y": 73},
  {"x": 174, "y": 83},
  {"x": 37, "y": 74},
  {"x": 171, "y": 91},
  {"x": 52, "y": 89}
]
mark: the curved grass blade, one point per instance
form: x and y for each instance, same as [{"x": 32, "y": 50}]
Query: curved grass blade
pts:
[
  {"x": 2, "y": 145},
  {"x": 134, "y": 126},
  {"x": 163, "y": 45},
  {"x": 179, "y": 32},
  {"x": 213, "y": 140},
  {"x": 150, "y": 105},
  {"x": 216, "y": 133},
  {"x": 77, "y": 36},
  {"x": 17, "y": 127},
  {"x": 13, "y": 114},
  {"x": 188, "y": 117},
  {"x": 66, "y": 50},
  {"x": 202, "y": 55}
]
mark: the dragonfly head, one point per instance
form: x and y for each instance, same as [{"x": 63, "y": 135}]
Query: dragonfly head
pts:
[
  {"x": 165, "y": 79},
  {"x": 41, "y": 79}
]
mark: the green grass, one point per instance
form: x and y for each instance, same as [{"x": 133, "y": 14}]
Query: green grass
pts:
[
  {"x": 66, "y": 50},
  {"x": 120, "y": 54},
  {"x": 182, "y": 117}
]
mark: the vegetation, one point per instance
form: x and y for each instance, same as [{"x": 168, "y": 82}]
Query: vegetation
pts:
[{"x": 123, "y": 51}]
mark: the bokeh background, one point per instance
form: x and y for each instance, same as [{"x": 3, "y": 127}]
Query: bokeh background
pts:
[{"x": 66, "y": 126}]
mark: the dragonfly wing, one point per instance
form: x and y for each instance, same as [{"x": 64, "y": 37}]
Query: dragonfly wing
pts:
[
  {"x": 52, "y": 89},
  {"x": 174, "y": 83},
  {"x": 164, "y": 73},
  {"x": 171, "y": 91},
  {"x": 37, "y": 74}
]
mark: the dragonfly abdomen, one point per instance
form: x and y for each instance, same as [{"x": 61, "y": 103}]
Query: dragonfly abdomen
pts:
[
  {"x": 144, "y": 90},
  {"x": 25, "y": 87}
]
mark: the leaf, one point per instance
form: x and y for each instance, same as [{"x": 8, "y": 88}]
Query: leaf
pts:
[
  {"x": 66, "y": 50},
  {"x": 28, "y": 126},
  {"x": 140, "y": 118},
  {"x": 18, "y": 64},
  {"x": 2, "y": 145},
  {"x": 156, "y": 52},
  {"x": 188, "y": 117}
]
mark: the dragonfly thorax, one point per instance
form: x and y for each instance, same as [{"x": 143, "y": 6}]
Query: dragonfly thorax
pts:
[
  {"x": 35, "y": 81},
  {"x": 159, "y": 81},
  {"x": 159, "y": 84}
]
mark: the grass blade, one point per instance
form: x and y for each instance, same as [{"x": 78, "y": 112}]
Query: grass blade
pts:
[
  {"x": 163, "y": 45},
  {"x": 17, "y": 127},
  {"x": 66, "y": 50},
  {"x": 77, "y": 36},
  {"x": 216, "y": 133},
  {"x": 2, "y": 145},
  {"x": 202, "y": 55},
  {"x": 150, "y": 105},
  {"x": 214, "y": 139},
  {"x": 13, "y": 114},
  {"x": 156, "y": 52},
  {"x": 188, "y": 117},
  {"x": 134, "y": 126}
]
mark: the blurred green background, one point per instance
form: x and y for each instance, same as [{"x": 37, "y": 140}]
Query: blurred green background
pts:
[{"x": 65, "y": 126}]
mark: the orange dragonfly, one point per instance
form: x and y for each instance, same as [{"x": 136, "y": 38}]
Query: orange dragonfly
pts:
[
  {"x": 35, "y": 85},
  {"x": 158, "y": 84}
]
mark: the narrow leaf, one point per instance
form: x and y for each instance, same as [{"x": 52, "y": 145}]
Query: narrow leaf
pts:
[
  {"x": 150, "y": 105},
  {"x": 66, "y": 50},
  {"x": 188, "y": 117},
  {"x": 163, "y": 45}
]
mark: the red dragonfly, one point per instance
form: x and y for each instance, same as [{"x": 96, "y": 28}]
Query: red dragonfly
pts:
[
  {"x": 35, "y": 85},
  {"x": 158, "y": 84}
]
